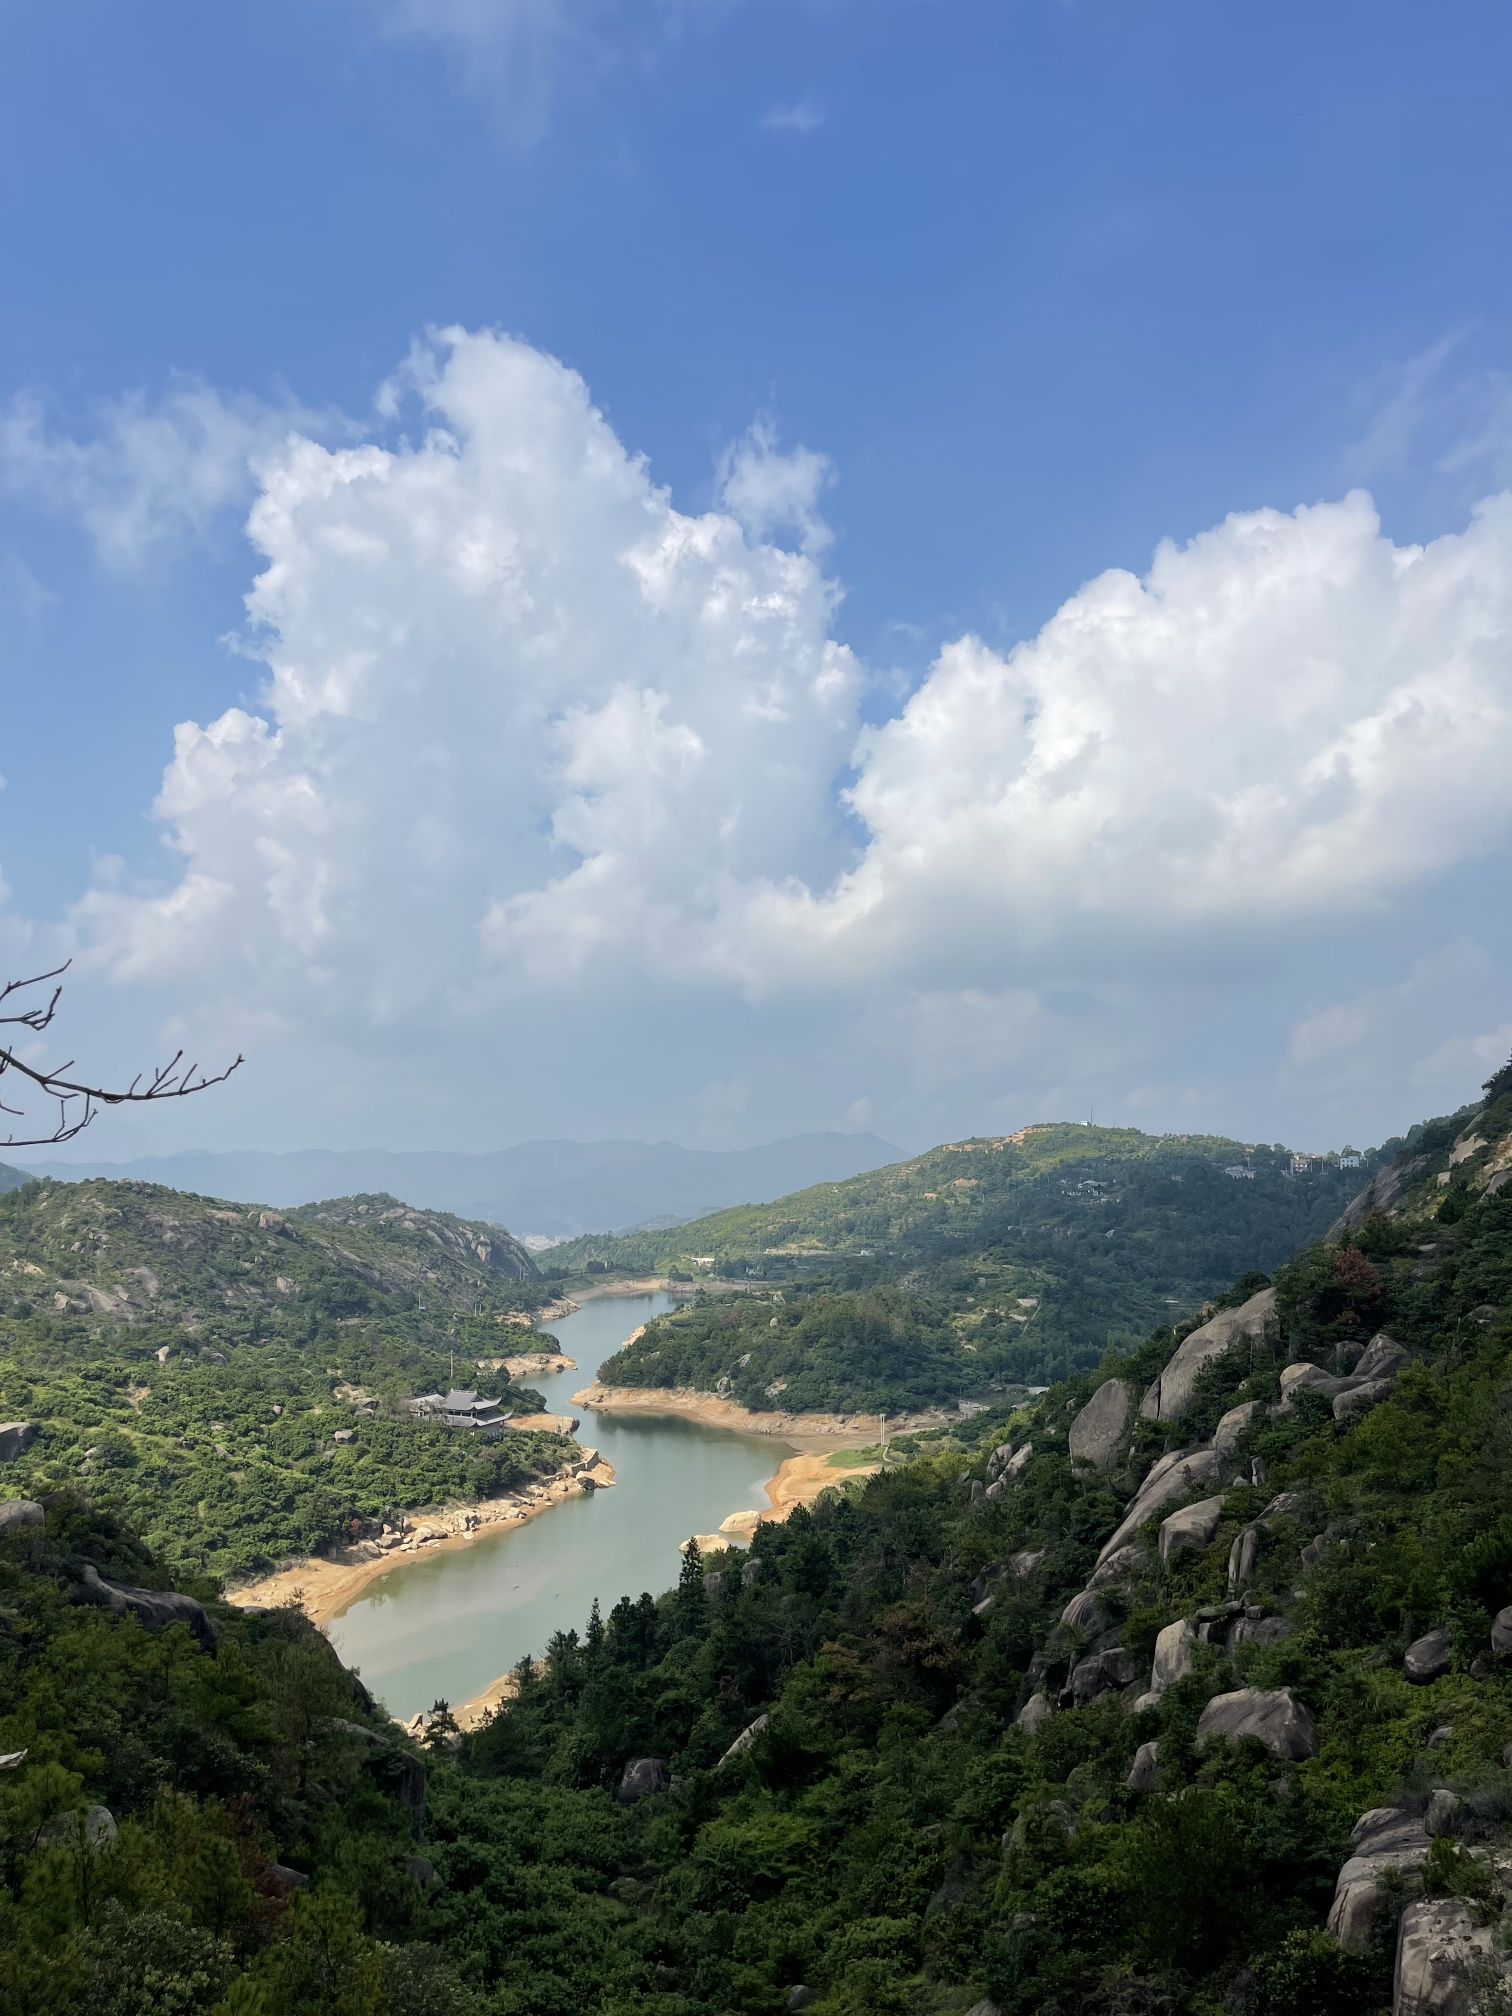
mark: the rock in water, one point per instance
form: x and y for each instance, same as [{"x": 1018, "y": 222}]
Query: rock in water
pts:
[
  {"x": 1095, "y": 1433},
  {"x": 1274, "y": 1717},
  {"x": 1192, "y": 1526},
  {"x": 1429, "y": 1656},
  {"x": 1171, "y": 1394},
  {"x": 641, "y": 1776},
  {"x": 1145, "y": 1775}
]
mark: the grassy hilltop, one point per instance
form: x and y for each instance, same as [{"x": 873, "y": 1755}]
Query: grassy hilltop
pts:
[
  {"x": 978, "y": 1265},
  {"x": 891, "y": 1837},
  {"x": 192, "y": 1360}
]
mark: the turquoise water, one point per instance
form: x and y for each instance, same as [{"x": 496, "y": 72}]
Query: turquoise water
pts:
[{"x": 447, "y": 1624}]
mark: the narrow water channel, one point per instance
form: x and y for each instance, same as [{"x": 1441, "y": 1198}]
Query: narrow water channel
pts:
[{"x": 444, "y": 1626}]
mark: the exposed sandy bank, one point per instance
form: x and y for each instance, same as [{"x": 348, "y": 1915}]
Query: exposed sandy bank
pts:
[
  {"x": 811, "y": 1431},
  {"x": 527, "y": 1364},
  {"x": 799, "y": 1481},
  {"x": 328, "y": 1584}
]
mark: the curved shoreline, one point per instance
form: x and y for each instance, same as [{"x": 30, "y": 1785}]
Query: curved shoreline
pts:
[
  {"x": 817, "y": 1431},
  {"x": 325, "y": 1585}
]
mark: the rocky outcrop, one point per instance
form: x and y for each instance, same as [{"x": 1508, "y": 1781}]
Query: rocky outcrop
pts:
[
  {"x": 1095, "y": 1433},
  {"x": 1173, "y": 1654},
  {"x": 1273, "y": 1717},
  {"x": 1192, "y": 1526},
  {"x": 744, "y": 1740},
  {"x": 1174, "y": 1476},
  {"x": 1387, "y": 1843},
  {"x": 1381, "y": 1192},
  {"x": 1429, "y": 1656},
  {"x": 1244, "y": 1557},
  {"x": 1036, "y": 1710},
  {"x": 14, "y": 1438},
  {"x": 1171, "y": 1394},
  {"x": 1145, "y": 1774},
  {"x": 645, "y": 1775},
  {"x": 1084, "y": 1613},
  {"x": 154, "y": 1608},
  {"x": 21, "y": 1515},
  {"x": 1446, "y": 1964},
  {"x": 95, "y": 1826},
  {"x": 1101, "y": 1673},
  {"x": 1234, "y": 1425}
]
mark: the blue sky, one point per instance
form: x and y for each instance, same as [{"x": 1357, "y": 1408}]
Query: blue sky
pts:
[{"x": 1045, "y": 284}]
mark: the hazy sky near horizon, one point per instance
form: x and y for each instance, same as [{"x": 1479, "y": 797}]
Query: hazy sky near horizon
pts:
[{"x": 706, "y": 570}]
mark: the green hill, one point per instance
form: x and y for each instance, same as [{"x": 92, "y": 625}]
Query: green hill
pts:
[
  {"x": 906, "y": 1758},
  {"x": 192, "y": 1360},
  {"x": 982, "y": 1264}
]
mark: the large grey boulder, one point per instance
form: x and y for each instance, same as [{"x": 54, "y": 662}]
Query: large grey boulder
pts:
[
  {"x": 1021, "y": 1566},
  {"x": 14, "y": 1437},
  {"x": 1101, "y": 1672},
  {"x": 96, "y": 1826},
  {"x": 1095, "y": 1433},
  {"x": 1118, "y": 1566},
  {"x": 1174, "y": 1648},
  {"x": 1446, "y": 1964},
  {"x": 1273, "y": 1717},
  {"x": 1309, "y": 1378},
  {"x": 1361, "y": 1397},
  {"x": 644, "y": 1775},
  {"x": 1388, "y": 1844},
  {"x": 1383, "y": 1358},
  {"x": 155, "y": 1608},
  {"x": 1171, "y": 1394},
  {"x": 1501, "y": 1631},
  {"x": 1255, "y": 1631},
  {"x": 1234, "y": 1425},
  {"x": 1036, "y": 1710},
  {"x": 1244, "y": 1557},
  {"x": 1446, "y": 1812},
  {"x": 1084, "y": 1613},
  {"x": 1175, "y": 1476},
  {"x": 1192, "y": 1527},
  {"x": 1145, "y": 1775},
  {"x": 20, "y": 1515},
  {"x": 744, "y": 1740},
  {"x": 1429, "y": 1656}
]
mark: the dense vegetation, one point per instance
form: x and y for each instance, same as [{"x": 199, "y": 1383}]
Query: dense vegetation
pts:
[
  {"x": 919, "y": 1285},
  {"x": 193, "y": 1361},
  {"x": 891, "y": 1836}
]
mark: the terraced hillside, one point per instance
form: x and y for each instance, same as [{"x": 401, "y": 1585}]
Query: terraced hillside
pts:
[
  {"x": 193, "y": 1361},
  {"x": 1020, "y": 1259}
]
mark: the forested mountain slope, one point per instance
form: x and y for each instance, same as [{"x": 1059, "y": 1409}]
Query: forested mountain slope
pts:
[
  {"x": 195, "y": 1360},
  {"x": 1110, "y": 1705},
  {"x": 1012, "y": 1260}
]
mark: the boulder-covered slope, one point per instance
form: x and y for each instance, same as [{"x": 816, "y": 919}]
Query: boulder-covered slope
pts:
[{"x": 1090, "y": 1707}]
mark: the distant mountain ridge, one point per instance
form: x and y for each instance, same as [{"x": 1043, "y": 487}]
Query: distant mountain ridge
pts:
[{"x": 556, "y": 1189}]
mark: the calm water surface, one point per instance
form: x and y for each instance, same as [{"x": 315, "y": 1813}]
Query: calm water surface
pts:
[{"x": 446, "y": 1624}]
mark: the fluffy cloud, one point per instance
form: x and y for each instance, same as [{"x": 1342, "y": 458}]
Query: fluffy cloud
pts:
[
  {"x": 155, "y": 474},
  {"x": 1288, "y": 717},
  {"x": 537, "y": 749}
]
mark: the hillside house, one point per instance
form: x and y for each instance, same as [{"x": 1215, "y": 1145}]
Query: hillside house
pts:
[{"x": 460, "y": 1409}]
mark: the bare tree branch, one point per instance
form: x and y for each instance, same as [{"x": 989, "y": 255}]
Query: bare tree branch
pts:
[{"x": 173, "y": 1080}]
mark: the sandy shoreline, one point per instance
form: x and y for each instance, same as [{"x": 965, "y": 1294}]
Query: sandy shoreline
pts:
[
  {"x": 804, "y": 1431},
  {"x": 326, "y": 1584}
]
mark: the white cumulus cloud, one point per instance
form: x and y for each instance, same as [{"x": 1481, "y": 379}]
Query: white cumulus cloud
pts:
[{"x": 536, "y": 747}]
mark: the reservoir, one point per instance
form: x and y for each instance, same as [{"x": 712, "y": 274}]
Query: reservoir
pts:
[{"x": 447, "y": 1624}]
